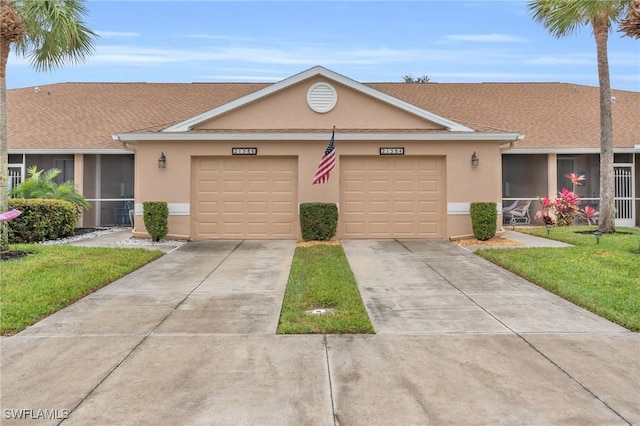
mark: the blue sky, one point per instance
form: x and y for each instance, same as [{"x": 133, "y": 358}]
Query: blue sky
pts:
[{"x": 450, "y": 41}]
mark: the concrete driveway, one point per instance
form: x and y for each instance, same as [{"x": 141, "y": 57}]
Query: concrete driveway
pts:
[{"x": 189, "y": 339}]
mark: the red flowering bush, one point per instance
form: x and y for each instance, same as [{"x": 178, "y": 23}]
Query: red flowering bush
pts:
[{"x": 565, "y": 209}]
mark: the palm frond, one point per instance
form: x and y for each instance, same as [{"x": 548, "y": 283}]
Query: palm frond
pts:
[
  {"x": 566, "y": 17},
  {"x": 55, "y": 33}
]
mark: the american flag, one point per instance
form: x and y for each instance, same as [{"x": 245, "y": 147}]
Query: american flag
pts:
[{"x": 327, "y": 162}]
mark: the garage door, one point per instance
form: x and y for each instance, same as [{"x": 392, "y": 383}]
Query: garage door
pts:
[
  {"x": 245, "y": 197},
  {"x": 392, "y": 197}
]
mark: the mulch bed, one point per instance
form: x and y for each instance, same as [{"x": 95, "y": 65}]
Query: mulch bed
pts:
[
  {"x": 315, "y": 243},
  {"x": 13, "y": 254},
  {"x": 493, "y": 242},
  {"x": 18, "y": 254}
]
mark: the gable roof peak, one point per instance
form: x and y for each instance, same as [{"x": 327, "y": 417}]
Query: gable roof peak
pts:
[{"x": 315, "y": 71}]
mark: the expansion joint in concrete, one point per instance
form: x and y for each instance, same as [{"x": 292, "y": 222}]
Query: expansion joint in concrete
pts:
[
  {"x": 146, "y": 336},
  {"x": 520, "y": 336},
  {"x": 333, "y": 407}
]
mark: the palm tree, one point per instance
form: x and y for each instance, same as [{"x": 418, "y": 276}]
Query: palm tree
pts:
[
  {"x": 630, "y": 26},
  {"x": 49, "y": 33},
  {"x": 41, "y": 184},
  {"x": 562, "y": 18}
]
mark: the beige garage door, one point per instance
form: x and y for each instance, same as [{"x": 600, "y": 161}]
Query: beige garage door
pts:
[
  {"x": 245, "y": 197},
  {"x": 392, "y": 197}
]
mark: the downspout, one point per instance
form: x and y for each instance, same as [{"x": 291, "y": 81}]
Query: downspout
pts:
[
  {"x": 512, "y": 143},
  {"x": 124, "y": 144}
]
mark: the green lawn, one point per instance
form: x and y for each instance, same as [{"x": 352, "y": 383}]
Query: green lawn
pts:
[
  {"x": 320, "y": 277},
  {"x": 53, "y": 277},
  {"x": 603, "y": 278}
]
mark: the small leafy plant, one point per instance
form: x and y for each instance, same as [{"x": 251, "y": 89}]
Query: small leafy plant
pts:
[
  {"x": 41, "y": 184},
  {"x": 155, "y": 216},
  {"x": 41, "y": 219},
  {"x": 483, "y": 220},
  {"x": 318, "y": 221}
]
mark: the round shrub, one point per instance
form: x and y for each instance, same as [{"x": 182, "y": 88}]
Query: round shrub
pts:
[
  {"x": 156, "y": 215},
  {"x": 483, "y": 220},
  {"x": 41, "y": 219},
  {"x": 318, "y": 221}
]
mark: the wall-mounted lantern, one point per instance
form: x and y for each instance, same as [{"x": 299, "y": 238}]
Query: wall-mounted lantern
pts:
[
  {"x": 474, "y": 160},
  {"x": 162, "y": 161}
]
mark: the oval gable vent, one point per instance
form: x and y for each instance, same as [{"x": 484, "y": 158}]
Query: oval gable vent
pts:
[{"x": 322, "y": 97}]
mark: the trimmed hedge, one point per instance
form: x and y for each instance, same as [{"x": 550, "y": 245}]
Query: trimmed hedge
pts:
[
  {"x": 318, "y": 221},
  {"x": 41, "y": 219},
  {"x": 156, "y": 215},
  {"x": 483, "y": 220}
]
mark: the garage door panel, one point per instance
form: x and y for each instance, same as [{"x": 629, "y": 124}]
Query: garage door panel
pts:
[
  {"x": 208, "y": 228},
  {"x": 395, "y": 197},
  {"x": 379, "y": 207},
  {"x": 403, "y": 207},
  {"x": 282, "y": 207},
  {"x": 245, "y": 197},
  {"x": 428, "y": 185},
  {"x": 208, "y": 186},
  {"x": 429, "y": 206},
  {"x": 260, "y": 186}
]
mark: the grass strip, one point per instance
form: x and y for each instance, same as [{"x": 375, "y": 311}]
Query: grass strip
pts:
[
  {"x": 603, "y": 278},
  {"x": 54, "y": 277},
  {"x": 320, "y": 277}
]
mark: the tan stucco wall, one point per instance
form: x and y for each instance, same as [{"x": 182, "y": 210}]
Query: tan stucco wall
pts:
[
  {"x": 288, "y": 109},
  {"x": 173, "y": 184}
]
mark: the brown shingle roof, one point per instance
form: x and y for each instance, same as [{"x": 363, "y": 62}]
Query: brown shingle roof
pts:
[
  {"x": 550, "y": 115},
  {"x": 85, "y": 115}
]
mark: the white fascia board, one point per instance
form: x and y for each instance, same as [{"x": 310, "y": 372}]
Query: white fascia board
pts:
[
  {"x": 132, "y": 138},
  {"x": 68, "y": 151},
  {"x": 312, "y": 72},
  {"x": 567, "y": 150}
]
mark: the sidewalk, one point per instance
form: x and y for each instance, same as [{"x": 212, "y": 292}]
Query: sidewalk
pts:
[{"x": 523, "y": 240}]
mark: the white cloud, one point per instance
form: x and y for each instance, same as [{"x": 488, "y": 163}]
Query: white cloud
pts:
[
  {"x": 113, "y": 34},
  {"x": 485, "y": 38},
  {"x": 575, "y": 59}
]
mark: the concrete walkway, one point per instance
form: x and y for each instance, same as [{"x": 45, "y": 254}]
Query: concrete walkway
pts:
[{"x": 189, "y": 339}]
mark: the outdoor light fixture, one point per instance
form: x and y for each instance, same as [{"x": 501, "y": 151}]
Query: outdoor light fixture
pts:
[
  {"x": 162, "y": 161},
  {"x": 474, "y": 160},
  {"x": 548, "y": 228},
  {"x": 598, "y": 235}
]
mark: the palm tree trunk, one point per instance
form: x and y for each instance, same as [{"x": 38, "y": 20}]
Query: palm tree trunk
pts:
[
  {"x": 4, "y": 166},
  {"x": 607, "y": 184}
]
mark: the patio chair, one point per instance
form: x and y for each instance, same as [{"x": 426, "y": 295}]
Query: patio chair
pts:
[{"x": 518, "y": 213}]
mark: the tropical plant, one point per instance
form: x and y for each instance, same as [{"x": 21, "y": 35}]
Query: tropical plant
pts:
[
  {"x": 630, "y": 26},
  {"x": 562, "y": 18},
  {"x": 591, "y": 215},
  {"x": 41, "y": 184},
  {"x": 575, "y": 179},
  {"x": 49, "y": 33},
  {"x": 409, "y": 78},
  {"x": 565, "y": 210}
]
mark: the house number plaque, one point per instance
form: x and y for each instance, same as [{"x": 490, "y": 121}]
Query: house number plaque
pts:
[
  {"x": 392, "y": 151},
  {"x": 244, "y": 151}
]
